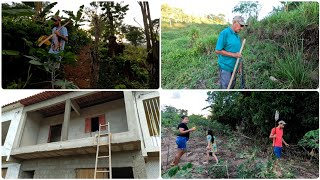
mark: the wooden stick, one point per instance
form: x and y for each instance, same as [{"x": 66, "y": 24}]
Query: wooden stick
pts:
[
  {"x": 235, "y": 67},
  {"x": 52, "y": 34},
  {"x": 227, "y": 169}
]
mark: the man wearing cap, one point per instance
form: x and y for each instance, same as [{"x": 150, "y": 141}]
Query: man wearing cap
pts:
[
  {"x": 276, "y": 134},
  {"x": 60, "y": 37},
  {"x": 228, "y": 48}
]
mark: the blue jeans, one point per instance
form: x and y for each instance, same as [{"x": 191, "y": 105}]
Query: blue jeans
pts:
[
  {"x": 182, "y": 142},
  {"x": 277, "y": 151},
  {"x": 225, "y": 77}
]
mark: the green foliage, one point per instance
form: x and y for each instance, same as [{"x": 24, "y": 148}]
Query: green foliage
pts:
[
  {"x": 10, "y": 52},
  {"x": 20, "y": 36},
  {"x": 176, "y": 15},
  {"x": 218, "y": 171},
  {"x": 310, "y": 140},
  {"x": 294, "y": 70},
  {"x": 282, "y": 45},
  {"x": 177, "y": 173},
  {"x": 188, "y": 63},
  {"x": 194, "y": 33},
  {"x": 133, "y": 34},
  {"x": 77, "y": 18},
  {"x": 207, "y": 45},
  {"x": 248, "y": 9},
  {"x": 257, "y": 168},
  {"x": 253, "y": 112}
]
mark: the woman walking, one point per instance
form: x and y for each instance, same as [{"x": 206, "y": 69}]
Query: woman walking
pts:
[{"x": 182, "y": 138}]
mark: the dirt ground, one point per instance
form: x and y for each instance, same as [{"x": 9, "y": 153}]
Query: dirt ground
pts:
[
  {"x": 80, "y": 73},
  {"x": 196, "y": 154}
]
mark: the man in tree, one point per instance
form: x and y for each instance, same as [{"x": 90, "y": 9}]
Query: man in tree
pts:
[
  {"x": 276, "y": 134},
  {"x": 60, "y": 36},
  {"x": 227, "y": 48}
]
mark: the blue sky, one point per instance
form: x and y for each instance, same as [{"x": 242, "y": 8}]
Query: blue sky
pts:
[{"x": 204, "y": 7}]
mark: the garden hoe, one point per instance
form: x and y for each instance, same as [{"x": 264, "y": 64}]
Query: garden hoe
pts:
[
  {"x": 49, "y": 37},
  {"x": 235, "y": 67}
]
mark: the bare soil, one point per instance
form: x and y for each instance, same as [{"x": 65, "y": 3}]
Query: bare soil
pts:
[
  {"x": 196, "y": 154},
  {"x": 80, "y": 73}
]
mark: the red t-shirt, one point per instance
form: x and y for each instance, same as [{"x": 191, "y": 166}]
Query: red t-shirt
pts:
[{"x": 278, "y": 140}]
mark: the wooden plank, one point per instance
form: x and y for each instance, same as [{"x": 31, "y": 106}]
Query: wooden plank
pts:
[
  {"x": 88, "y": 173},
  {"x": 75, "y": 106},
  {"x": 4, "y": 172}
]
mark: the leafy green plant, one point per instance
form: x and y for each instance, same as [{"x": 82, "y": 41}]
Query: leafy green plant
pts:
[
  {"x": 310, "y": 139},
  {"x": 51, "y": 64}
]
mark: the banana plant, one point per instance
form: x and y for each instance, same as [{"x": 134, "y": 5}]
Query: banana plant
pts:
[{"x": 77, "y": 18}]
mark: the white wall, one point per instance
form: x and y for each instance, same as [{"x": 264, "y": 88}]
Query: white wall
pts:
[
  {"x": 31, "y": 129},
  {"x": 148, "y": 142},
  {"x": 14, "y": 116},
  {"x": 114, "y": 113}
]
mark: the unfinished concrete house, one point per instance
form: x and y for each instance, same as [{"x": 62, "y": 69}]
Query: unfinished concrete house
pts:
[{"x": 56, "y": 134}]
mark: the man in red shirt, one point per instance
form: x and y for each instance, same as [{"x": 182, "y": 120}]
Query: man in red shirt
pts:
[{"x": 276, "y": 134}]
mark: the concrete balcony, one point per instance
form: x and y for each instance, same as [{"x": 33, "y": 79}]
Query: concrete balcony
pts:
[{"x": 124, "y": 141}]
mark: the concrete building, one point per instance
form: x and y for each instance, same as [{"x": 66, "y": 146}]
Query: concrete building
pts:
[{"x": 53, "y": 134}]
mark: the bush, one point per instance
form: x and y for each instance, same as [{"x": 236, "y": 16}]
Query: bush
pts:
[
  {"x": 207, "y": 44},
  {"x": 294, "y": 70}
]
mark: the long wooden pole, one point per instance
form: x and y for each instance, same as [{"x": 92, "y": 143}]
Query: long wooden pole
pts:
[
  {"x": 53, "y": 34},
  {"x": 235, "y": 67}
]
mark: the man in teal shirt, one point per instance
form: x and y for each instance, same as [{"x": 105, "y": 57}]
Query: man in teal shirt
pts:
[{"x": 227, "y": 48}]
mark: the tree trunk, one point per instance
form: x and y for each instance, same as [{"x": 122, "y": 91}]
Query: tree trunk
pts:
[
  {"x": 95, "y": 54},
  {"x": 150, "y": 23},
  {"x": 145, "y": 22}
]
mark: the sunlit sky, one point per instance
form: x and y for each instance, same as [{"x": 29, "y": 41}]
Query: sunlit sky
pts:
[
  {"x": 191, "y": 100},
  {"x": 133, "y": 12},
  {"x": 204, "y": 7},
  {"x": 9, "y": 96}
]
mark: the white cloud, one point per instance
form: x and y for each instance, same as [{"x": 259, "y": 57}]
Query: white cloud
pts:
[
  {"x": 176, "y": 95},
  {"x": 10, "y": 96},
  {"x": 191, "y": 100}
]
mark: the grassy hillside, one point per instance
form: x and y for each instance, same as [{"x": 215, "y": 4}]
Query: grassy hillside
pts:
[{"x": 282, "y": 51}]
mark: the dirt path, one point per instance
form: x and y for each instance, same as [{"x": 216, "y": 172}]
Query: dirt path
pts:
[
  {"x": 234, "y": 155},
  {"x": 80, "y": 73},
  {"x": 196, "y": 154}
]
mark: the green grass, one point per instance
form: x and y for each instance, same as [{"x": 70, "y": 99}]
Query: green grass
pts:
[
  {"x": 274, "y": 50},
  {"x": 187, "y": 57}
]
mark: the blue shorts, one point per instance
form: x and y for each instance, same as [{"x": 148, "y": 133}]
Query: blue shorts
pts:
[
  {"x": 182, "y": 142},
  {"x": 277, "y": 151},
  {"x": 224, "y": 77}
]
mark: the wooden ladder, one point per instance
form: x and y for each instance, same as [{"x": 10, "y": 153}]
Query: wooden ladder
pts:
[{"x": 109, "y": 171}]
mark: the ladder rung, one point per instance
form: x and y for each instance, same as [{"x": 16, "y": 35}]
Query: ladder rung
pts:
[
  {"x": 102, "y": 171},
  {"x": 103, "y": 156},
  {"x": 104, "y": 134},
  {"x": 102, "y": 125}
]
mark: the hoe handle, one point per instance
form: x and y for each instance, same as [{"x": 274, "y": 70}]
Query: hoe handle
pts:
[
  {"x": 235, "y": 67},
  {"x": 49, "y": 37}
]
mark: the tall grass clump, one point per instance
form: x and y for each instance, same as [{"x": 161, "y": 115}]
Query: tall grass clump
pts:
[
  {"x": 206, "y": 45},
  {"x": 293, "y": 69}
]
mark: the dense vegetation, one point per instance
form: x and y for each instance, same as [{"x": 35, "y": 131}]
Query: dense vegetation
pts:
[
  {"x": 111, "y": 63},
  {"x": 282, "y": 50},
  {"x": 242, "y": 122}
]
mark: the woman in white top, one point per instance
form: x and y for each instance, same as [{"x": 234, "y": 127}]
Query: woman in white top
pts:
[{"x": 211, "y": 147}]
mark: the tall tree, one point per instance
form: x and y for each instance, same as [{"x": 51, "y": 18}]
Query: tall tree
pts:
[
  {"x": 248, "y": 9},
  {"x": 152, "y": 44}
]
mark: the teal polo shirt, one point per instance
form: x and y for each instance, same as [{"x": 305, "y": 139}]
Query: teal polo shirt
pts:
[{"x": 229, "y": 41}]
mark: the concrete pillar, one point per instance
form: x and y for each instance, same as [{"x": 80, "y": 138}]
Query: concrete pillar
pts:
[
  {"x": 139, "y": 166},
  {"x": 12, "y": 171},
  {"x": 20, "y": 130},
  {"x": 66, "y": 120},
  {"x": 131, "y": 113}
]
